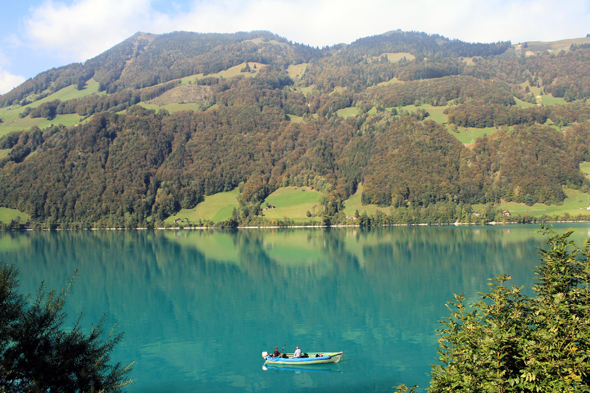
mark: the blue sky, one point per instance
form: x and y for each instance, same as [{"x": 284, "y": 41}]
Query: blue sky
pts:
[{"x": 38, "y": 35}]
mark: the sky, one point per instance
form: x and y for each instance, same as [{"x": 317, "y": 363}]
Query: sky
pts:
[{"x": 39, "y": 35}]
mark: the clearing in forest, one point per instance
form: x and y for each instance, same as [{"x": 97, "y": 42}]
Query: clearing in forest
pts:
[
  {"x": 293, "y": 203},
  {"x": 7, "y": 214},
  {"x": 296, "y": 71},
  {"x": 575, "y": 204},
  {"x": 396, "y": 57},
  {"x": 217, "y": 207},
  {"x": 352, "y": 204}
]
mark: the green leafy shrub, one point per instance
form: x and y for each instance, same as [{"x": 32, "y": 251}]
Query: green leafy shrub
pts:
[{"x": 509, "y": 342}]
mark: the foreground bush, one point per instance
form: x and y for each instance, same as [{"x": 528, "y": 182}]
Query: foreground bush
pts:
[
  {"x": 37, "y": 354},
  {"x": 509, "y": 342}
]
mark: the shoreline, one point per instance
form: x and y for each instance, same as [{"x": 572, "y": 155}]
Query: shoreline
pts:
[{"x": 456, "y": 224}]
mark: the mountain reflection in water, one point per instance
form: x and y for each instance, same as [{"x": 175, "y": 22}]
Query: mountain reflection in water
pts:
[{"x": 198, "y": 307}]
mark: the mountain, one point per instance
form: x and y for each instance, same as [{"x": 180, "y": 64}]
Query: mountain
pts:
[{"x": 157, "y": 122}]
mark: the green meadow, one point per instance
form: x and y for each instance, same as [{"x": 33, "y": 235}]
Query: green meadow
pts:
[
  {"x": 469, "y": 135},
  {"x": 347, "y": 112},
  {"x": 69, "y": 93},
  {"x": 216, "y": 207},
  {"x": 392, "y": 81},
  {"x": 15, "y": 123},
  {"x": 555, "y": 46},
  {"x": 292, "y": 202},
  {"x": 523, "y": 104},
  {"x": 550, "y": 100},
  {"x": 306, "y": 90},
  {"x": 395, "y": 57},
  {"x": 7, "y": 214},
  {"x": 352, "y": 204},
  {"x": 171, "y": 107},
  {"x": 296, "y": 71},
  {"x": 12, "y": 121},
  {"x": 575, "y": 204},
  {"x": 229, "y": 73},
  {"x": 584, "y": 167},
  {"x": 295, "y": 119},
  {"x": 435, "y": 112}
]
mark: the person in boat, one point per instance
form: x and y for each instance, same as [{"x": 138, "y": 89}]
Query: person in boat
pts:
[
  {"x": 276, "y": 353},
  {"x": 297, "y": 353}
]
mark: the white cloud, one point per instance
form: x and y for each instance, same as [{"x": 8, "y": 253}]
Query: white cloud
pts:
[
  {"x": 12, "y": 40},
  {"x": 9, "y": 81},
  {"x": 88, "y": 27}
]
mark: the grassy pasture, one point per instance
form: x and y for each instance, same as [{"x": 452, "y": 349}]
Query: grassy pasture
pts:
[
  {"x": 190, "y": 78},
  {"x": 389, "y": 82},
  {"x": 523, "y": 104},
  {"x": 436, "y": 112},
  {"x": 550, "y": 100},
  {"x": 235, "y": 71},
  {"x": 347, "y": 112},
  {"x": 292, "y": 202},
  {"x": 469, "y": 135},
  {"x": 4, "y": 153},
  {"x": 555, "y": 46},
  {"x": 307, "y": 90},
  {"x": 395, "y": 57},
  {"x": 171, "y": 107},
  {"x": 26, "y": 123},
  {"x": 7, "y": 214},
  {"x": 229, "y": 73},
  {"x": 352, "y": 204},
  {"x": 259, "y": 41},
  {"x": 541, "y": 99},
  {"x": 216, "y": 207},
  {"x": 296, "y": 71},
  {"x": 575, "y": 204},
  {"x": 468, "y": 60},
  {"x": 69, "y": 93},
  {"x": 584, "y": 167},
  {"x": 255, "y": 41},
  {"x": 466, "y": 135},
  {"x": 295, "y": 119},
  {"x": 12, "y": 122}
]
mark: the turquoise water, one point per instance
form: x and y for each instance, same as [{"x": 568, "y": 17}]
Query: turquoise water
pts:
[{"x": 199, "y": 307}]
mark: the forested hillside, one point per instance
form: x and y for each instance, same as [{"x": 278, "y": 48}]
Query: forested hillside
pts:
[{"x": 158, "y": 122}]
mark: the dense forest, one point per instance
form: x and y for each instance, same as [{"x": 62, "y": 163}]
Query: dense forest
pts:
[{"x": 123, "y": 165}]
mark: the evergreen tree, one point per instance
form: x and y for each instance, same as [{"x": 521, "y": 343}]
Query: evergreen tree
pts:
[{"x": 37, "y": 354}]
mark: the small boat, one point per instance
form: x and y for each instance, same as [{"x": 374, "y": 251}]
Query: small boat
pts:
[
  {"x": 312, "y": 358},
  {"x": 310, "y": 368}
]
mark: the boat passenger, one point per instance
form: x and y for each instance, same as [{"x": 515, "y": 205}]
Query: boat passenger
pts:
[
  {"x": 297, "y": 353},
  {"x": 276, "y": 353}
]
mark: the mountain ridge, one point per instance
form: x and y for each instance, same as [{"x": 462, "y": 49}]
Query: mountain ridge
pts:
[{"x": 157, "y": 122}]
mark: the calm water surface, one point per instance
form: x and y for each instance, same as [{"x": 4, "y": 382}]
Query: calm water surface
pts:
[{"x": 198, "y": 307}]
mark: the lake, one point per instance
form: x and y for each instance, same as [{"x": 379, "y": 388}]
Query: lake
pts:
[{"x": 198, "y": 307}]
